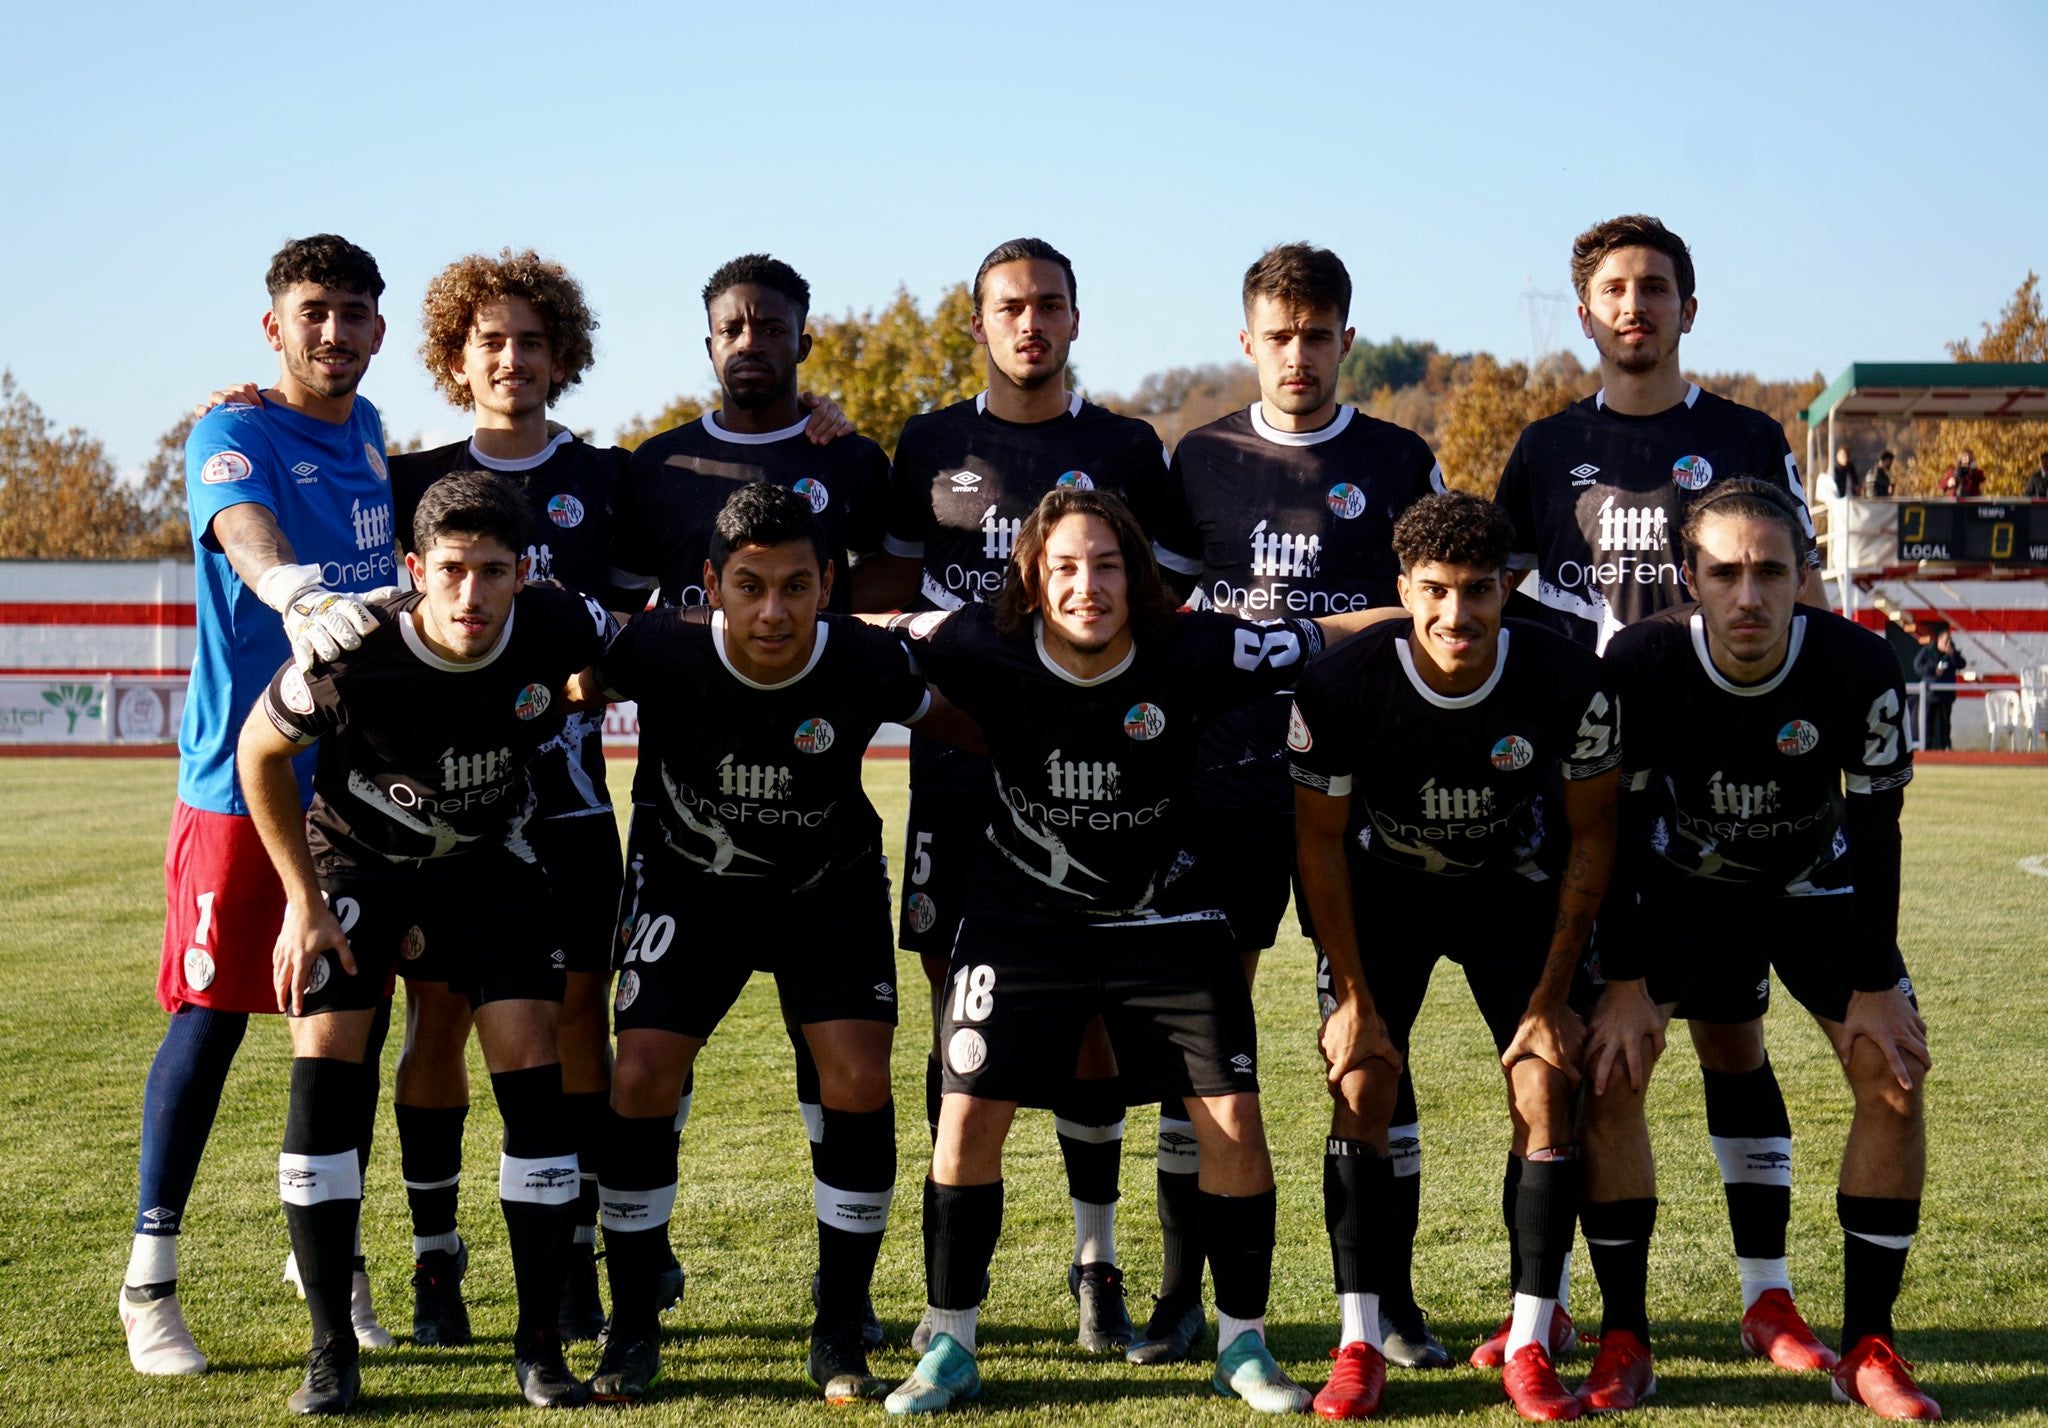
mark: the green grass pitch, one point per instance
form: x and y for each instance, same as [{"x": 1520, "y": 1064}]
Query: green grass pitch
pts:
[{"x": 80, "y": 918}]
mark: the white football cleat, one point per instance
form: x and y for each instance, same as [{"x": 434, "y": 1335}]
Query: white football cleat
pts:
[
  {"x": 362, "y": 1314},
  {"x": 158, "y": 1341}
]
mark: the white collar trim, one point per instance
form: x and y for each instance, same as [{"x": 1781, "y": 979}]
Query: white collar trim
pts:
[
  {"x": 1454, "y": 701},
  {"x": 1698, "y": 625},
  {"x": 408, "y": 631},
  {"x": 981, "y": 403},
  {"x": 751, "y": 438},
  {"x": 1038, "y": 642},
  {"x": 1329, "y": 432},
  {"x": 1692, "y": 394},
  {"x": 521, "y": 463},
  {"x": 718, "y": 643}
]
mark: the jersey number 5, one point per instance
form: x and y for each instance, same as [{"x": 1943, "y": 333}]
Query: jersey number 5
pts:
[
  {"x": 1887, "y": 736},
  {"x": 1596, "y": 734}
]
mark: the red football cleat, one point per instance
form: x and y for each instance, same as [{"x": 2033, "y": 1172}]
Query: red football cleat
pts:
[
  {"x": 1355, "y": 1384},
  {"x": 1532, "y": 1386},
  {"x": 1874, "y": 1375},
  {"x": 1621, "y": 1378},
  {"x": 1493, "y": 1352},
  {"x": 1773, "y": 1329}
]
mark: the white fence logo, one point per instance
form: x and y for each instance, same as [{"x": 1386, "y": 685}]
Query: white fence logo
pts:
[
  {"x": 1283, "y": 554},
  {"x": 764, "y": 781},
  {"x": 459, "y": 771},
  {"x": 1631, "y": 528},
  {"x": 1456, "y": 805},
  {"x": 1742, "y": 800},
  {"x": 999, "y": 534},
  {"x": 372, "y": 525},
  {"x": 1088, "y": 782}
]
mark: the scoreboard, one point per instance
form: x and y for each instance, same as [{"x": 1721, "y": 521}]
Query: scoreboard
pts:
[{"x": 1975, "y": 532}]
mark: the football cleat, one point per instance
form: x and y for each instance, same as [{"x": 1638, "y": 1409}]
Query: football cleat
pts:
[
  {"x": 544, "y": 1377},
  {"x": 870, "y": 1322},
  {"x": 362, "y": 1314},
  {"x": 1405, "y": 1340},
  {"x": 1773, "y": 1329},
  {"x": 1171, "y": 1334},
  {"x": 1873, "y": 1374},
  {"x": 1355, "y": 1384},
  {"x": 1493, "y": 1351},
  {"x": 581, "y": 1317},
  {"x": 1246, "y": 1370},
  {"x": 332, "y": 1379},
  {"x": 1622, "y": 1377},
  {"x": 945, "y": 1377},
  {"x": 626, "y": 1369},
  {"x": 1105, "y": 1324},
  {"x": 158, "y": 1341},
  {"x": 839, "y": 1365},
  {"x": 439, "y": 1317},
  {"x": 1532, "y": 1386}
]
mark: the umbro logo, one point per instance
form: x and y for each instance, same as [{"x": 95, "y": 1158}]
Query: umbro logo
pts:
[
  {"x": 966, "y": 480},
  {"x": 1242, "y": 1062},
  {"x": 293, "y": 1175},
  {"x": 1176, "y": 1139},
  {"x": 304, "y": 468},
  {"x": 1584, "y": 473},
  {"x": 1404, "y": 1144},
  {"x": 158, "y": 1215},
  {"x": 885, "y": 992},
  {"x": 549, "y": 1175},
  {"x": 1768, "y": 1157},
  {"x": 861, "y": 1212}
]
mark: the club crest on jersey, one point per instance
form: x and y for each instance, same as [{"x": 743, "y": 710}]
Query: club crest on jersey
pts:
[
  {"x": 1797, "y": 737},
  {"x": 532, "y": 701},
  {"x": 813, "y": 490},
  {"x": 923, "y": 912},
  {"x": 1298, "y": 737},
  {"x": 297, "y": 697},
  {"x": 1513, "y": 752},
  {"x": 1144, "y": 721},
  {"x": 1077, "y": 481},
  {"x": 224, "y": 466},
  {"x": 318, "y": 977},
  {"x": 813, "y": 736},
  {"x": 565, "y": 510},
  {"x": 1692, "y": 473},
  {"x": 199, "y": 968},
  {"x": 966, "y": 1051},
  {"x": 629, "y": 989},
  {"x": 1346, "y": 501},
  {"x": 376, "y": 461},
  {"x": 413, "y": 944}
]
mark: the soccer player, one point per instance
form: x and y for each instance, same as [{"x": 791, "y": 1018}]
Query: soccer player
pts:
[
  {"x": 1598, "y": 493},
  {"x": 1286, "y": 507},
  {"x": 965, "y": 478},
  {"x": 754, "y": 848},
  {"x": 415, "y": 839},
  {"x": 1092, "y": 694},
  {"x": 290, "y": 509},
  {"x": 1764, "y": 778},
  {"x": 1424, "y": 754}
]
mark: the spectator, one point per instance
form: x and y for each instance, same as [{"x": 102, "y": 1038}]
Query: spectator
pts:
[
  {"x": 1847, "y": 483},
  {"x": 2037, "y": 484},
  {"x": 1939, "y": 662},
  {"x": 1879, "y": 477},
  {"x": 1965, "y": 478}
]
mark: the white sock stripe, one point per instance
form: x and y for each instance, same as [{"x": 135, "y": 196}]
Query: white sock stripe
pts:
[
  {"x": 545, "y": 1180},
  {"x": 814, "y": 1121},
  {"x": 961, "y": 1324},
  {"x": 1089, "y": 1135},
  {"x": 1890, "y": 1242},
  {"x": 859, "y": 1212},
  {"x": 1404, "y": 1144},
  {"x": 1754, "y": 1160},
  {"x": 1179, "y": 1152},
  {"x": 1591, "y": 1241},
  {"x": 316, "y": 1179},
  {"x": 450, "y": 1183},
  {"x": 152, "y": 1260},
  {"x": 448, "y": 1242},
  {"x": 629, "y": 1210},
  {"x": 683, "y": 1112}
]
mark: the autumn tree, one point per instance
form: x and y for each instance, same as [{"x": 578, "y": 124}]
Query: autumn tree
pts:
[
  {"x": 1485, "y": 410},
  {"x": 166, "y": 527},
  {"x": 2008, "y": 451},
  {"x": 61, "y": 497}
]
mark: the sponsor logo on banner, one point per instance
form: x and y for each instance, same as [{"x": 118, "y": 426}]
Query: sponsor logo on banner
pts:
[
  {"x": 813, "y": 490},
  {"x": 142, "y": 714},
  {"x": 225, "y": 466},
  {"x": 1797, "y": 737},
  {"x": 1513, "y": 752},
  {"x": 923, "y": 912},
  {"x": 1298, "y": 737},
  {"x": 73, "y": 700},
  {"x": 532, "y": 701},
  {"x": 1346, "y": 501},
  {"x": 1692, "y": 473},
  {"x": 565, "y": 510},
  {"x": 1077, "y": 480},
  {"x": 1144, "y": 721}
]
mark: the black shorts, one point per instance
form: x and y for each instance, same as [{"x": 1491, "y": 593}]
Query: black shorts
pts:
[
  {"x": 581, "y": 854},
  {"x": 1497, "y": 929},
  {"x": 484, "y": 924},
  {"x": 687, "y": 950},
  {"x": 942, "y": 840},
  {"x": 1171, "y": 990},
  {"x": 1244, "y": 864},
  {"x": 1716, "y": 948}
]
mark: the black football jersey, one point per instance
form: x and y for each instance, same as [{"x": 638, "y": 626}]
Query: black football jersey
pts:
[
  {"x": 1454, "y": 785},
  {"x": 571, "y": 486},
  {"x": 1292, "y": 523},
  {"x": 681, "y": 479},
  {"x": 1092, "y": 775},
  {"x": 1598, "y": 498},
  {"x": 760, "y": 783},
  {"x": 1743, "y": 784},
  {"x": 424, "y": 757}
]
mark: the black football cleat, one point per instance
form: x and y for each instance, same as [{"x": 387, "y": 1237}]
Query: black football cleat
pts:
[
  {"x": 1405, "y": 1339},
  {"x": 628, "y": 1367},
  {"x": 870, "y": 1322},
  {"x": 544, "y": 1377},
  {"x": 439, "y": 1317},
  {"x": 1105, "y": 1324},
  {"x": 1171, "y": 1334},
  {"x": 332, "y": 1379},
  {"x": 839, "y": 1365},
  {"x": 581, "y": 1319},
  {"x": 668, "y": 1282}
]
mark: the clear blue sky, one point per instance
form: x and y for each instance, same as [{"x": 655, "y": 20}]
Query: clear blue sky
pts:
[{"x": 1857, "y": 181}]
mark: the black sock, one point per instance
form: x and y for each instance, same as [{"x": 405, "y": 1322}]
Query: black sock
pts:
[
  {"x": 1618, "y": 1234},
  {"x": 1180, "y": 1212},
  {"x": 430, "y": 1159},
  {"x": 961, "y": 1226},
  {"x": 366, "y": 1125},
  {"x": 537, "y": 1188},
  {"x": 1752, "y": 1139},
  {"x": 1357, "y": 1184},
  {"x": 1876, "y": 1235},
  {"x": 1239, "y": 1232},
  {"x": 637, "y": 1173},
  {"x": 588, "y": 1112},
  {"x": 853, "y": 1172},
  {"x": 1546, "y": 1211},
  {"x": 1089, "y": 1120},
  {"x": 1404, "y": 1199},
  {"x": 1510, "y": 1186},
  {"x": 321, "y": 1183}
]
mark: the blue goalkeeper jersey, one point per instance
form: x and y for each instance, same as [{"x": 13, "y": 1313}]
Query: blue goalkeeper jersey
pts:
[{"x": 327, "y": 487}]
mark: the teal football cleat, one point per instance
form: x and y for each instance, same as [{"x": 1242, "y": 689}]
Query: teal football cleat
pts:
[
  {"x": 1246, "y": 1370},
  {"x": 945, "y": 1377}
]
